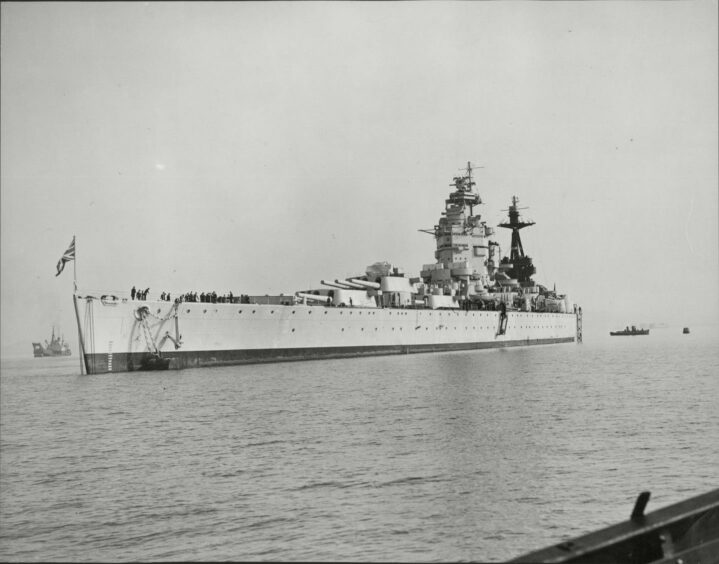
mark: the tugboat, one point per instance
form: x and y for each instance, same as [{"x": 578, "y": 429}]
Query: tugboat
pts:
[
  {"x": 627, "y": 331},
  {"x": 56, "y": 347}
]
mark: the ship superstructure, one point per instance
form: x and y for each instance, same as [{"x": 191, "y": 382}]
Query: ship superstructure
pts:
[
  {"x": 465, "y": 257},
  {"x": 469, "y": 298}
]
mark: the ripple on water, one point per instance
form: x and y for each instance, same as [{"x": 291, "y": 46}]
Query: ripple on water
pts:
[{"x": 460, "y": 456}]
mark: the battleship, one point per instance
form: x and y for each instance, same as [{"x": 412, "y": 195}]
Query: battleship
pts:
[
  {"x": 470, "y": 298},
  {"x": 56, "y": 347}
]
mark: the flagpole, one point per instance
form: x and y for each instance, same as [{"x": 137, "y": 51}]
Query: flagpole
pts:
[
  {"x": 74, "y": 266},
  {"x": 77, "y": 314}
]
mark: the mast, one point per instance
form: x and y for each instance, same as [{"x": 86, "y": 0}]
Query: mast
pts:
[
  {"x": 74, "y": 265},
  {"x": 515, "y": 224},
  {"x": 522, "y": 267},
  {"x": 83, "y": 368},
  {"x": 465, "y": 193}
]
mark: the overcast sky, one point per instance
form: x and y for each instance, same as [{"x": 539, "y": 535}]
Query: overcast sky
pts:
[{"x": 260, "y": 147}]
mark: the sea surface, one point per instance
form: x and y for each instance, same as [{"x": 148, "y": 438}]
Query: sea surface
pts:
[{"x": 481, "y": 455}]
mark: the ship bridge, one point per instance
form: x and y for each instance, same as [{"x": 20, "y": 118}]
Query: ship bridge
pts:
[{"x": 462, "y": 250}]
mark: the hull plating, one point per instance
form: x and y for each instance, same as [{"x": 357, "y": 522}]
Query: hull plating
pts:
[
  {"x": 206, "y": 334},
  {"x": 128, "y": 362}
]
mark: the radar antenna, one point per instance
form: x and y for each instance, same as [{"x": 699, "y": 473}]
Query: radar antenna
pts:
[{"x": 465, "y": 193}]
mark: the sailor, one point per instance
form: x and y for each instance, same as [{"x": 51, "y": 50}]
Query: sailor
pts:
[{"x": 132, "y": 293}]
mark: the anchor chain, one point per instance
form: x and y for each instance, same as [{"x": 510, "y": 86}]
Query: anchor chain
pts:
[
  {"x": 170, "y": 315},
  {"x": 141, "y": 314}
]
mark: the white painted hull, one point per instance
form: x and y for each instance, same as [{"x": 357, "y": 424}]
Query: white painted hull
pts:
[{"x": 209, "y": 334}]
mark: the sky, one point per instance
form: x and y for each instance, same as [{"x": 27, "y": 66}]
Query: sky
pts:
[{"x": 261, "y": 147}]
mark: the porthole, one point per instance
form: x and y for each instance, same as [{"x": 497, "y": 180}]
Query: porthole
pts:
[
  {"x": 293, "y": 329},
  {"x": 188, "y": 311}
]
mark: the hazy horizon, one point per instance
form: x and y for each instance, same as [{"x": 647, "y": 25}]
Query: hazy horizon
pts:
[{"x": 261, "y": 147}]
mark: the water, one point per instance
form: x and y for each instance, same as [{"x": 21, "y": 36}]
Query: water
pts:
[{"x": 478, "y": 455}]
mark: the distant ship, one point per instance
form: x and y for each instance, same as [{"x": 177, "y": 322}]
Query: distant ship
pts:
[
  {"x": 628, "y": 331},
  {"x": 685, "y": 331},
  {"x": 470, "y": 298},
  {"x": 56, "y": 347}
]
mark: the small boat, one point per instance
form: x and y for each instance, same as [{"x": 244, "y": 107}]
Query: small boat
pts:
[
  {"x": 628, "y": 331},
  {"x": 686, "y": 330},
  {"x": 687, "y": 531},
  {"x": 56, "y": 347}
]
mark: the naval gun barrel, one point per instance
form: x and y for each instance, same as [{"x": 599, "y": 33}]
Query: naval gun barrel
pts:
[
  {"x": 333, "y": 285},
  {"x": 312, "y": 297},
  {"x": 366, "y": 283},
  {"x": 350, "y": 284}
]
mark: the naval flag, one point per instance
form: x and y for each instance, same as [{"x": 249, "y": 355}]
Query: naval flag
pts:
[{"x": 68, "y": 255}]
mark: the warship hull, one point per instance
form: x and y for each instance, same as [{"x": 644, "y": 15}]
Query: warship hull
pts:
[{"x": 114, "y": 338}]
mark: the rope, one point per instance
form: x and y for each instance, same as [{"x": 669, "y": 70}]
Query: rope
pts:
[{"x": 90, "y": 333}]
